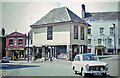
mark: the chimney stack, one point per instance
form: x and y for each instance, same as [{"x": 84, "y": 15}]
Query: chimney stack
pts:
[{"x": 83, "y": 11}]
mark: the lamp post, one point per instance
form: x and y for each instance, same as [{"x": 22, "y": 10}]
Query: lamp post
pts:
[
  {"x": 114, "y": 39},
  {"x": 28, "y": 47}
]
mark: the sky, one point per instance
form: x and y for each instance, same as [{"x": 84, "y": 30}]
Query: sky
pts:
[{"x": 18, "y": 15}]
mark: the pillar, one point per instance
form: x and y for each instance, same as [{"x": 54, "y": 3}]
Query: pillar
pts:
[
  {"x": 37, "y": 50},
  {"x": 51, "y": 54},
  {"x": 43, "y": 53},
  {"x": 96, "y": 52},
  {"x": 6, "y": 53},
  {"x": 71, "y": 52},
  {"x": 24, "y": 53},
  {"x": 55, "y": 52},
  {"x": 79, "y": 49},
  {"x": 68, "y": 49}
]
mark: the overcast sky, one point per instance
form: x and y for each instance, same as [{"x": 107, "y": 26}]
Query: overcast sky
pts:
[{"x": 19, "y": 15}]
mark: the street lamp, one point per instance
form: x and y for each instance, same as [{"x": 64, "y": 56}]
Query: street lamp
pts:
[
  {"x": 114, "y": 39},
  {"x": 28, "y": 47}
]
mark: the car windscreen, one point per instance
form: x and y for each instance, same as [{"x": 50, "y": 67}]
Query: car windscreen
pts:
[{"x": 90, "y": 58}]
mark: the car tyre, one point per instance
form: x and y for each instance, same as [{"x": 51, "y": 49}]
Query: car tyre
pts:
[
  {"x": 75, "y": 71},
  {"x": 104, "y": 74},
  {"x": 83, "y": 72}
]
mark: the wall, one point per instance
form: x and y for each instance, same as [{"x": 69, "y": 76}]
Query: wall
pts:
[
  {"x": 61, "y": 35},
  {"x": 95, "y": 33},
  {"x": 12, "y": 36},
  {"x": 78, "y": 41}
]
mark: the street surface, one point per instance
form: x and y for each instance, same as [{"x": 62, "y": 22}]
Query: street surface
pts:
[{"x": 54, "y": 68}]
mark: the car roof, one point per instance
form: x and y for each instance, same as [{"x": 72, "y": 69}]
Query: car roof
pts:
[
  {"x": 85, "y": 54},
  {"x": 5, "y": 57}
]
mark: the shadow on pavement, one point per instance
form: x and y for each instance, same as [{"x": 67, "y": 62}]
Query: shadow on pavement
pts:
[{"x": 19, "y": 66}]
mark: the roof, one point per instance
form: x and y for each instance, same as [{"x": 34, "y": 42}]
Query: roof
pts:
[
  {"x": 102, "y": 16},
  {"x": 59, "y": 15},
  {"x": 11, "y": 34}
]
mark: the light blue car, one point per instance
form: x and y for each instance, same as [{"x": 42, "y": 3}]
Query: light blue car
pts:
[{"x": 5, "y": 59}]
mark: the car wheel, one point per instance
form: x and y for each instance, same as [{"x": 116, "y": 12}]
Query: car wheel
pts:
[
  {"x": 73, "y": 67},
  {"x": 83, "y": 72},
  {"x": 75, "y": 71},
  {"x": 104, "y": 74}
]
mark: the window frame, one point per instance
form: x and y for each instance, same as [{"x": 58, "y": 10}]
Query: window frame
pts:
[
  {"x": 20, "y": 42},
  {"x": 89, "y": 42},
  {"x": 10, "y": 42},
  {"x": 50, "y": 33},
  {"x": 82, "y": 33},
  {"x": 75, "y": 32},
  {"x": 110, "y": 40},
  {"x": 89, "y": 31},
  {"x": 99, "y": 41},
  {"x": 101, "y": 32}
]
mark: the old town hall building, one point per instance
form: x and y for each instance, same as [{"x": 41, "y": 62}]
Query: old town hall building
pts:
[{"x": 60, "y": 33}]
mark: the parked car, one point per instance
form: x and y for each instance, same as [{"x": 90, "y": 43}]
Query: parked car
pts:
[
  {"x": 5, "y": 59},
  {"x": 89, "y": 64}
]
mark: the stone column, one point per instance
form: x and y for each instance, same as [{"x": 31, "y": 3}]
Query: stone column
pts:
[
  {"x": 51, "y": 54},
  {"x": 55, "y": 52},
  {"x": 68, "y": 48},
  {"x": 43, "y": 52},
  {"x": 96, "y": 52},
  {"x": 79, "y": 49},
  {"x": 6, "y": 53},
  {"x": 71, "y": 52},
  {"x": 37, "y": 50}
]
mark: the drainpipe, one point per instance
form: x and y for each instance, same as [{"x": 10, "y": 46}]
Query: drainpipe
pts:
[{"x": 114, "y": 39}]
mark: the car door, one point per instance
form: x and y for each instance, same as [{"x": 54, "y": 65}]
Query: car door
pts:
[{"x": 78, "y": 63}]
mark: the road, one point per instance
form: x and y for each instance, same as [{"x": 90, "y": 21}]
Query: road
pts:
[{"x": 58, "y": 68}]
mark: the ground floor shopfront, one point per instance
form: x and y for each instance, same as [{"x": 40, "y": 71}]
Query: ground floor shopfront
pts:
[
  {"x": 15, "y": 53},
  {"x": 48, "y": 52},
  {"x": 102, "y": 50}
]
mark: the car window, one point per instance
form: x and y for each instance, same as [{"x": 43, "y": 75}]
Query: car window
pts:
[
  {"x": 78, "y": 58},
  {"x": 90, "y": 58}
]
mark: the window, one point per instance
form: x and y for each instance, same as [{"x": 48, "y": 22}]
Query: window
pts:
[
  {"x": 20, "y": 42},
  {"x": 101, "y": 30},
  {"x": 89, "y": 30},
  {"x": 49, "y": 32},
  {"x": 111, "y": 30},
  {"x": 10, "y": 41},
  {"x": 89, "y": 41},
  {"x": 82, "y": 33},
  {"x": 78, "y": 58},
  {"x": 119, "y": 41},
  {"x": 75, "y": 32},
  {"x": 109, "y": 41},
  {"x": 99, "y": 41}
]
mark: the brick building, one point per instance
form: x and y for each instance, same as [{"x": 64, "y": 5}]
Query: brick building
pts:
[{"x": 15, "y": 46}]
